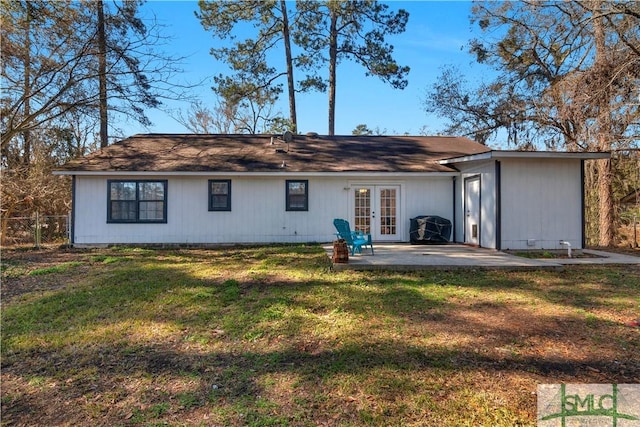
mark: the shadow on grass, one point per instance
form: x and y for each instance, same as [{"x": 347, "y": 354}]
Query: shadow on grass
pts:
[
  {"x": 236, "y": 378},
  {"x": 254, "y": 313},
  {"x": 166, "y": 288}
]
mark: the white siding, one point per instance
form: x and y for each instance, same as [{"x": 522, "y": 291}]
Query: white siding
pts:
[
  {"x": 486, "y": 171},
  {"x": 258, "y": 212},
  {"x": 541, "y": 204},
  {"x": 427, "y": 197}
]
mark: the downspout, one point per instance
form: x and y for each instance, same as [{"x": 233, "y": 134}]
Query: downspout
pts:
[{"x": 498, "y": 242}]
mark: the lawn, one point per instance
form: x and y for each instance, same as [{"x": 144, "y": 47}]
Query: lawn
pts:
[{"x": 269, "y": 336}]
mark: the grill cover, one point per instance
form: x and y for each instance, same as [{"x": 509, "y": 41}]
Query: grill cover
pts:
[{"x": 429, "y": 229}]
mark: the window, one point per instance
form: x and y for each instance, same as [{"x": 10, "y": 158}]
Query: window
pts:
[
  {"x": 297, "y": 195},
  {"x": 137, "y": 201},
  {"x": 219, "y": 194}
]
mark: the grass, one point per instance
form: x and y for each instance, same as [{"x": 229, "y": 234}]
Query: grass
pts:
[
  {"x": 268, "y": 336},
  {"x": 60, "y": 268}
]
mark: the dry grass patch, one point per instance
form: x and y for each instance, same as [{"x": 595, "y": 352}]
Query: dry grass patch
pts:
[{"x": 265, "y": 336}]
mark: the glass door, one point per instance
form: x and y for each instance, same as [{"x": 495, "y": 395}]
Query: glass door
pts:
[
  {"x": 362, "y": 218},
  {"x": 376, "y": 211},
  {"x": 387, "y": 213}
]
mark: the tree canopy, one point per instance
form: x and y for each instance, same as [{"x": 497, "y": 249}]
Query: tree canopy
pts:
[
  {"x": 313, "y": 34},
  {"x": 567, "y": 76},
  {"x": 51, "y": 65},
  {"x": 550, "y": 68},
  {"x": 254, "y": 80}
]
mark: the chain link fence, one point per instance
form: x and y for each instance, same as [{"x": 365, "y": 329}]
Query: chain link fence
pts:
[
  {"x": 629, "y": 231},
  {"x": 36, "y": 230}
]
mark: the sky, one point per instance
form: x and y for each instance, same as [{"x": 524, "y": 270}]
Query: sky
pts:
[{"x": 437, "y": 34}]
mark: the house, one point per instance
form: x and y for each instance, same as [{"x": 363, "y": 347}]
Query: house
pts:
[{"x": 210, "y": 189}]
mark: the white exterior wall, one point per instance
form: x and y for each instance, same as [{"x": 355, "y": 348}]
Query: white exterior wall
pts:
[
  {"x": 427, "y": 197},
  {"x": 257, "y": 213},
  {"x": 541, "y": 203},
  {"x": 486, "y": 171}
]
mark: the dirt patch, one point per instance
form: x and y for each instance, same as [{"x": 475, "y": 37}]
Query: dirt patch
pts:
[
  {"x": 18, "y": 266},
  {"x": 41, "y": 256},
  {"x": 551, "y": 254},
  {"x": 345, "y": 358}
]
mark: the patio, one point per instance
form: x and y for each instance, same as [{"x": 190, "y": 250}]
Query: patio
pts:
[{"x": 405, "y": 257}]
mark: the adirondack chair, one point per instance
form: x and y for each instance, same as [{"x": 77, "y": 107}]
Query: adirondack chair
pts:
[{"x": 355, "y": 239}]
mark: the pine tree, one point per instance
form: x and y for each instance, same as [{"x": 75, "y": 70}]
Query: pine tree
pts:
[
  {"x": 254, "y": 80},
  {"x": 353, "y": 30}
]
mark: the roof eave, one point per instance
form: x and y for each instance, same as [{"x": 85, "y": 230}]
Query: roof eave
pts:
[
  {"x": 504, "y": 154},
  {"x": 256, "y": 174}
]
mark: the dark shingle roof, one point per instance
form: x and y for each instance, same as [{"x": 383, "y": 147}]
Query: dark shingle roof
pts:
[{"x": 256, "y": 153}]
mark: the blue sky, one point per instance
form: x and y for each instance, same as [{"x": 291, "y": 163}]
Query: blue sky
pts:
[{"x": 437, "y": 34}]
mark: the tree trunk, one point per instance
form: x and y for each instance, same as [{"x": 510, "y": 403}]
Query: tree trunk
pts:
[
  {"x": 333, "y": 59},
  {"x": 591, "y": 203},
  {"x": 604, "y": 132},
  {"x": 605, "y": 202},
  {"x": 290, "y": 82},
  {"x": 26, "y": 135},
  {"x": 102, "y": 76}
]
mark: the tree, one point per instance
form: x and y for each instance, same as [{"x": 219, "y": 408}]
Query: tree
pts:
[
  {"x": 567, "y": 73},
  {"x": 101, "y": 53},
  {"x": 52, "y": 64},
  {"x": 253, "y": 76},
  {"x": 254, "y": 113},
  {"x": 354, "y": 30},
  {"x": 249, "y": 116},
  {"x": 362, "y": 129},
  {"x": 474, "y": 112},
  {"x": 324, "y": 32},
  {"x": 201, "y": 119},
  {"x": 132, "y": 74},
  {"x": 44, "y": 56},
  {"x": 33, "y": 189}
]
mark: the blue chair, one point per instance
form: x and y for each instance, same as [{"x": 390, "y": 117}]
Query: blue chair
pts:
[{"x": 355, "y": 239}]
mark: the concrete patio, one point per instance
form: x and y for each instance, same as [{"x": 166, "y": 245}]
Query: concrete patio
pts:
[{"x": 405, "y": 257}]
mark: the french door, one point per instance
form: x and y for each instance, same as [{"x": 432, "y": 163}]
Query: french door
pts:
[{"x": 376, "y": 210}]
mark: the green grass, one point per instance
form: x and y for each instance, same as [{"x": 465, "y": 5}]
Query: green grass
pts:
[
  {"x": 60, "y": 268},
  {"x": 264, "y": 336}
]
